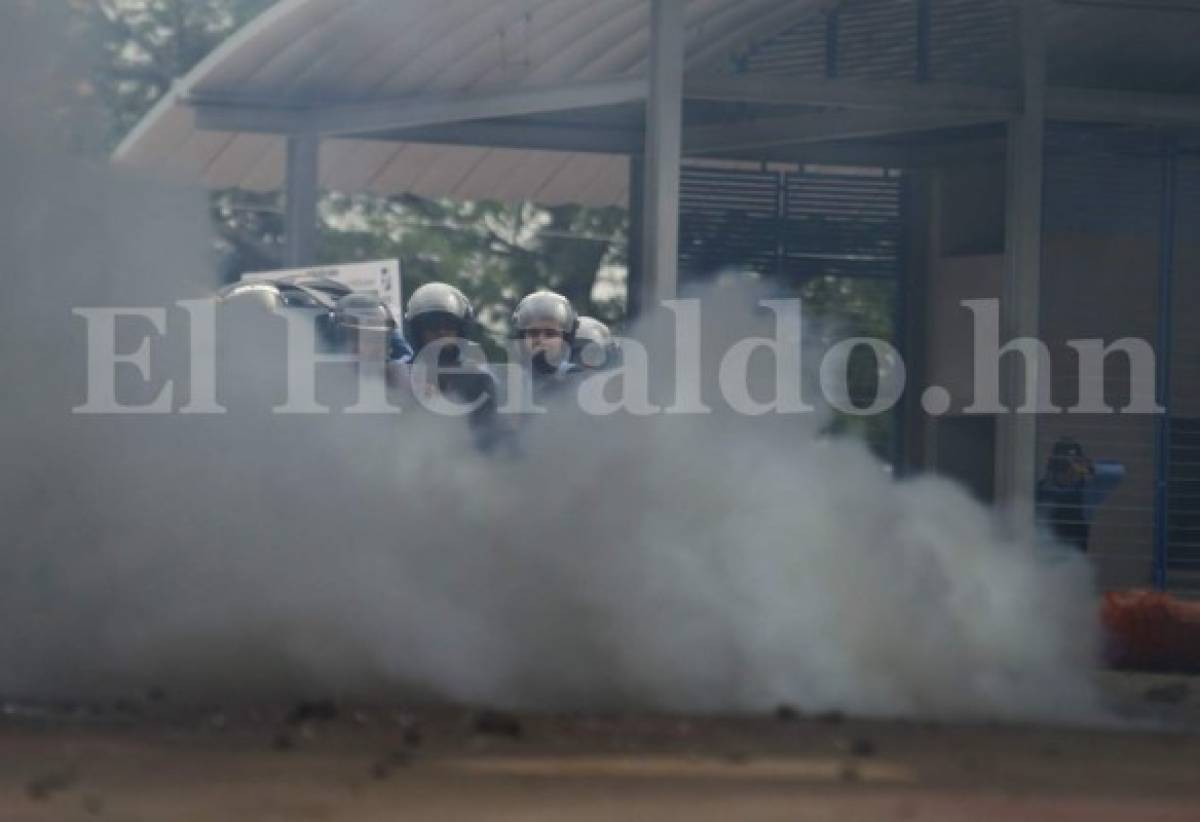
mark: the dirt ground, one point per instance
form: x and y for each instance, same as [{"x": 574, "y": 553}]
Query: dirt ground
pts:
[{"x": 148, "y": 760}]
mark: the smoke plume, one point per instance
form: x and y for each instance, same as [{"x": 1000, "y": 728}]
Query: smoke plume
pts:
[{"x": 707, "y": 563}]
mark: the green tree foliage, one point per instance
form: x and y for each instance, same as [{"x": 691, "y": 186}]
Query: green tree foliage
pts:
[
  {"x": 495, "y": 252},
  {"x": 145, "y": 45}
]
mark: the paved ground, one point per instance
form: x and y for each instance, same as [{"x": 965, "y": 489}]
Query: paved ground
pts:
[{"x": 153, "y": 761}]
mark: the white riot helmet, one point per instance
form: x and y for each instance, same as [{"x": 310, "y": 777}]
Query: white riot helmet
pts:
[
  {"x": 547, "y": 307},
  {"x": 267, "y": 295},
  {"x": 437, "y": 301},
  {"x": 363, "y": 312},
  {"x": 594, "y": 345}
]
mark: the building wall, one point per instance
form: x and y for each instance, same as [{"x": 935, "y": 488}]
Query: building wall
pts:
[
  {"x": 1105, "y": 286},
  {"x": 1095, "y": 284}
]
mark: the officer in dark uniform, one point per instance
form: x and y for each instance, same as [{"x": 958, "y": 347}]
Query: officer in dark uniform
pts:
[
  {"x": 439, "y": 323},
  {"x": 1071, "y": 490},
  {"x": 545, "y": 323},
  {"x": 594, "y": 347}
]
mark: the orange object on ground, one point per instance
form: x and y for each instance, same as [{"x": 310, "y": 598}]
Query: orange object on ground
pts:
[{"x": 1148, "y": 630}]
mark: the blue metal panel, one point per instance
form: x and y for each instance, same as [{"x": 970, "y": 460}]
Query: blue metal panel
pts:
[
  {"x": 1181, "y": 429},
  {"x": 1102, "y": 268},
  {"x": 1162, "y": 444}
]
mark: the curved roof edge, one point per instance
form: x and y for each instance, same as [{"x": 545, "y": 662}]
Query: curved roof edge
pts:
[{"x": 263, "y": 22}]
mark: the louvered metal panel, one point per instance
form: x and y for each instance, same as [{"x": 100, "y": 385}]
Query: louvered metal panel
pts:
[
  {"x": 729, "y": 218},
  {"x": 791, "y": 225},
  {"x": 1182, "y": 516},
  {"x": 845, "y": 225},
  {"x": 970, "y": 41},
  {"x": 973, "y": 41},
  {"x": 1102, "y": 180},
  {"x": 1123, "y": 260}
]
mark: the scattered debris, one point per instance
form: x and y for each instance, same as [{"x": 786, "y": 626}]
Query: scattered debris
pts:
[
  {"x": 786, "y": 713},
  {"x": 862, "y": 747},
  {"x": 387, "y": 765},
  {"x": 126, "y": 708},
  {"x": 412, "y": 736},
  {"x": 832, "y": 717},
  {"x": 497, "y": 723},
  {"x": 1171, "y": 693},
  {"x": 322, "y": 710},
  {"x": 43, "y": 787}
]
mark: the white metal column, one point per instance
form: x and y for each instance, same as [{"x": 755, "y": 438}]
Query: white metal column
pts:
[
  {"x": 1016, "y": 435},
  {"x": 664, "y": 153},
  {"x": 303, "y": 157}
]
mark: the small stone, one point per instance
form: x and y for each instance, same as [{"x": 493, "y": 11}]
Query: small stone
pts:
[
  {"x": 861, "y": 746},
  {"x": 412, "y": 736},
  {"x": 849, "y": 773},
  {"x": 93, "y": 805},
  {"x": 322, "y": 710},
  {"x": 497, "y": 723},
  {"x": 125, "y": 707},
  {"x": 832, "y": 717},
  {"x": 42, "y": 787},
  {"x": 386, "y": 766},
  {"x": 786, "y": 713},
  {"x": 1173, "y": 693},
  {"x": 283, "y": 741}
]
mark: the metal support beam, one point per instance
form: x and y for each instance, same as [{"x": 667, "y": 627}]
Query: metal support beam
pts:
[
  {"x": 525, "y": 134},
  {"x": 1162, "y": 423},
  {"x": 1137, "y": 108},
  {"x": 833, "y": 20},
  {"x": 1016, "y": 440},
  {"x": 786, "y": 90},
  {"x": 635, "y": 253},
  {"x": 303, "y": 153},
  {"x": 1061, "y": 103},
  {"x": 253, "y": 115},
  {"x": 819, "y": 127},
  {"x": 664, "y": 153},
  {"x": 913, "y": 332},
  {"x": 924, "y": 40},
  {"x": 869, "y": 153}
]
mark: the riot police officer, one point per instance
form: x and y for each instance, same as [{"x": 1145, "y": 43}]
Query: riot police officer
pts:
[
  {"x": 594, "y": 345},
  {"x": 545, "y": 322},
  {"x": 439, "y": 318},
  {"x": 366, "y": 326}
]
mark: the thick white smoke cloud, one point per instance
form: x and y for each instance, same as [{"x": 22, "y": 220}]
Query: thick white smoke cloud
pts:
[{"x": 691, "y": 563}]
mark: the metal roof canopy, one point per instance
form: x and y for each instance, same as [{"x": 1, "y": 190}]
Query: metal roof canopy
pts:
[
  {"x": 597, "y": 103},
  {"x": 501, "y": 100}
]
